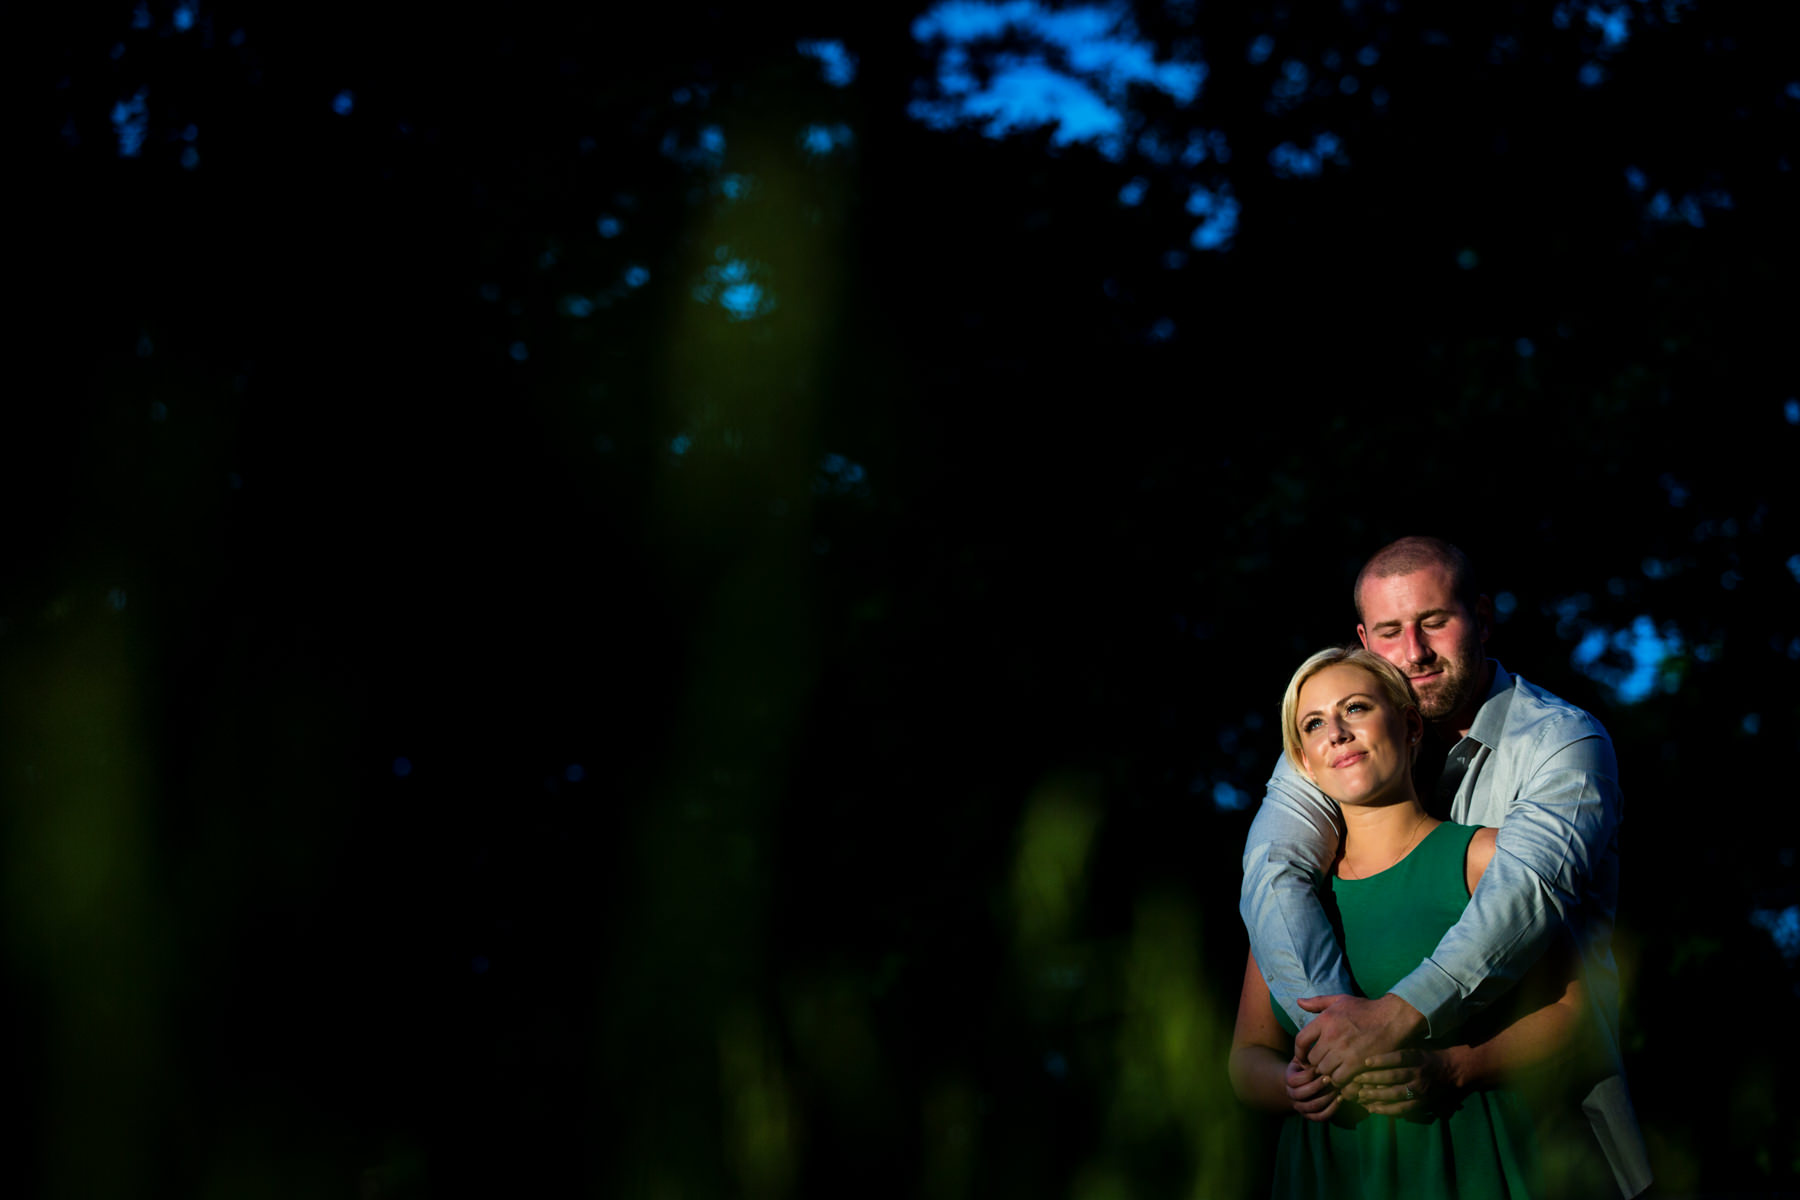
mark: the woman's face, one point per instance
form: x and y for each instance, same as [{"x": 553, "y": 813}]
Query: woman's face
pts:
[{"x": 1354, "y": 743}]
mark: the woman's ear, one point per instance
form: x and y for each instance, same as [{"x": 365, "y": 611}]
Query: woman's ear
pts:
[{"x": 1415, "y": 725}]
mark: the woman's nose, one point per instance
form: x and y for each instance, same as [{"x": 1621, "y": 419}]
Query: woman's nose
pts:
[{"x": 1340, "y": 732}]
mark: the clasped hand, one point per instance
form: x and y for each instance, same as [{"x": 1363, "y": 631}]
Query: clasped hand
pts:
[
  {"x": 1390, "y": 1085},
  {"x": 1349, "y": 1031},
  {"x": 1351, "y": 1053},
  {"x": 1311, "y": 1093},
  {"x": 1405, "y": 1081}
]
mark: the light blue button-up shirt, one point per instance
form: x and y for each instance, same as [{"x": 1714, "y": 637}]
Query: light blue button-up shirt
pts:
[{"x": 1543, "y": 773}]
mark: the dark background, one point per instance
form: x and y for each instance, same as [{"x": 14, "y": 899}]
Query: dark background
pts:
[{"x": 482, "y": 715}]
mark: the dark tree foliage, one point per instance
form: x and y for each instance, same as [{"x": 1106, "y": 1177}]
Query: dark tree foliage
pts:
[{"x": 590, "y": 608}]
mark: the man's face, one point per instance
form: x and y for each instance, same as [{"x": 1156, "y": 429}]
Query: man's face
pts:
[{"x": 1415, "y": 622}]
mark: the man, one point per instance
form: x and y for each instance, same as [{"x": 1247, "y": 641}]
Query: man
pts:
[{"x": 1516, "y": 758}]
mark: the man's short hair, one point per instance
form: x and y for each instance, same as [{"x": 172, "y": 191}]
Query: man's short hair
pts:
[
  {"x": 1411, "y": 554},
  {"x": 1388, "y": 678}
]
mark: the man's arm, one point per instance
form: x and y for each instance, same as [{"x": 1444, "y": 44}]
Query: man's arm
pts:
[
  {"x": 1406, "y": 1081},
  {"x": 1553, "y": 834},
  {"x": 1548, "y": 1010},
  {"x": 1294, "y": 837}
]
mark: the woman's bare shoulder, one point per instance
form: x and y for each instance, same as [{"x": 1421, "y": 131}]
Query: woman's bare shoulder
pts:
[{"x": 1481, "y": 853}]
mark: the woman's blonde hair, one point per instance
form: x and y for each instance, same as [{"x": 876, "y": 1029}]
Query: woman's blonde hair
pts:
[{"x": 1387, "y": 676}]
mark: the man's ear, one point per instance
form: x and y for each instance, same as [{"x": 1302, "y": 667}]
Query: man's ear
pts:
[
  {"x": 1484, "y": 617},
  {"x": 1362, "y": 635}
]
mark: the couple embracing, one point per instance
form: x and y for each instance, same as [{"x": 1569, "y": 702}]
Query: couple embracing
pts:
[{"x": 1429, "y": 887}]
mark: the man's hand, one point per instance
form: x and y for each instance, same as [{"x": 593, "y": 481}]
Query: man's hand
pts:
[{"x": 1349, "y": 1030}]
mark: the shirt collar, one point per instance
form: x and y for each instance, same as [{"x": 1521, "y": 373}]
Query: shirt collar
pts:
[{"x": 1490, "y": 718}]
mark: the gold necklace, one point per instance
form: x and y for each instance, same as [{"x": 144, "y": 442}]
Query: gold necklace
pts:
[{"x": 1345, "y": 862}]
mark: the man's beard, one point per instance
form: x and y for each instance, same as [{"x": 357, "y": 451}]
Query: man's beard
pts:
[{"x": 1455, "y": 688}]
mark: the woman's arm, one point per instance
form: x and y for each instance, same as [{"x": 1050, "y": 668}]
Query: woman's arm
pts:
[
  {"x": 1539, "y": 1034},
  {"x": 1531, "y": 1041},
  {"x": 1263, "y": 1071}
]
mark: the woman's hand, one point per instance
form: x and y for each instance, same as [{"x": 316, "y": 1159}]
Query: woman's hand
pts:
[
  {"x": 1311, "y": 1093},
  {"x": 1406, "y": 1081}
]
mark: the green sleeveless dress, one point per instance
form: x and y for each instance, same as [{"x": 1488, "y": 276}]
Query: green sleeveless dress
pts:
[{"x": 1388, "y": 923}]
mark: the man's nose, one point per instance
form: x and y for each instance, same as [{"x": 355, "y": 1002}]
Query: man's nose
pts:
[{"x": 1418, "y": 649}]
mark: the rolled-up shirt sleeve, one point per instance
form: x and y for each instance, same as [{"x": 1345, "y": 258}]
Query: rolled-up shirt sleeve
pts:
[
  {"x": 1292, "y": 842},
  {"x": 1552, "y": 836}
]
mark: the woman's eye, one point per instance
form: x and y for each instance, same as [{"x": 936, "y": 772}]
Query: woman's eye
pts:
[
  {"x": 1310, "y": 725},
  {"x": 1356, "y": 706}
]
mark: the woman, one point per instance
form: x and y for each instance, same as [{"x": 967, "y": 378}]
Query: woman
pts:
[{"x": 1426, "y": 1122}]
